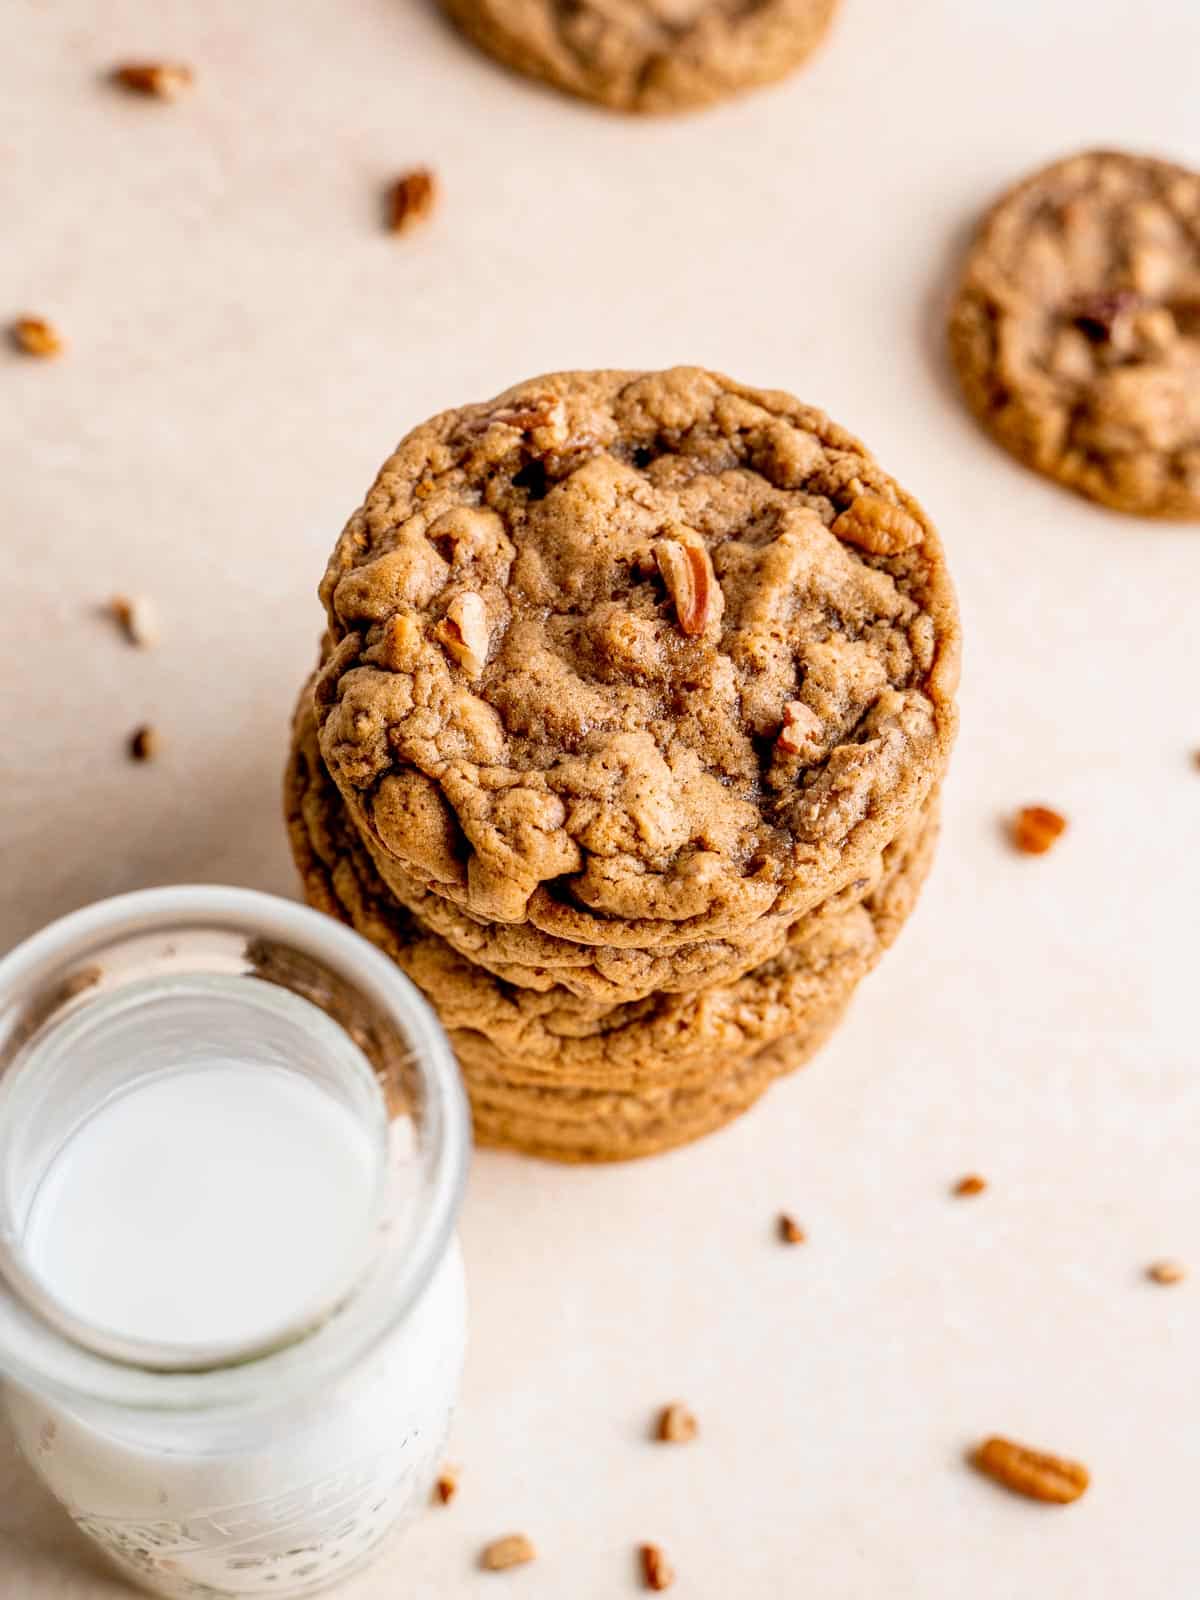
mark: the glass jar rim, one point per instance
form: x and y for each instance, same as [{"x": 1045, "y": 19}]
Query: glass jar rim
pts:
[{"x": 34, "y": 1353}]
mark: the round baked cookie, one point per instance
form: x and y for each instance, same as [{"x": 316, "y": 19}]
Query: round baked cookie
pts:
[
  {"x": 638, "y": 659},
  {"x": 554, "y": 1038},
  {"x": 647, "y": 55},
  {"x": 589, "y": 1125},
  {"x": 1076, "y": 329}
]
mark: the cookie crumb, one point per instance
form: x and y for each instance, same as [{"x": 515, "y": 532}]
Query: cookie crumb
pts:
[
  {"x": 1166, "y": 1271},
  {"x": 657, "y": 1571},
  {"x": 143, "y": 743},
  {"x": 790, "y": 1231},
  {"x": 676, "y": 1424},
  {"x": 159, "y": 80},
  {"x": 514, "y": 1550},
  {"x": 137, "y": 617},
  {"x": 446, "y": 1486},
  {"x": 411, "y": 199},
  {"x": 1036, "y": 828},
  {"x": 1032, "y": 1473},
  {"x": 970, "y": 1185},
  {"x": 34, "y": 336}
]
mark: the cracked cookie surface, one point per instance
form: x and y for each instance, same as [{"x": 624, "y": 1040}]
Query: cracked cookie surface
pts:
[
  {"x": 637, "y": 659},
  {"x": 661, "y": 56},
  {"x": 1076, "y": 329},
  {"x": 554, "y": 1039}
]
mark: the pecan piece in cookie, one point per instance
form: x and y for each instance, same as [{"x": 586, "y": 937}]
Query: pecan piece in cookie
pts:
[
  {"x": 877, "y": 526},
  {"x": 1033, "y": 1473},
  {"x": 687, "y": 571},
  {"x": 464, "y": 633}
]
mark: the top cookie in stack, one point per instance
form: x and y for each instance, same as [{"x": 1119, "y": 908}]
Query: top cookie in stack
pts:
[
  {"x": 636, "y": 695},
  {"x": 634, "y": 660}
]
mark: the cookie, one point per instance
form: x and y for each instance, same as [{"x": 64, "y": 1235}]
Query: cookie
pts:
[
  {"x": 1076, "y": 329},
  {"x": 584, "y": 1125},
  {"x": 668, "y": 55},
  {"x": 636, "y": 659},
  {"x": 555, "y": 1039}
]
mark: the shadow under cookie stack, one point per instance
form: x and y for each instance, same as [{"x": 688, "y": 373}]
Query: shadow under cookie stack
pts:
[{"x": 626, "y": 744}]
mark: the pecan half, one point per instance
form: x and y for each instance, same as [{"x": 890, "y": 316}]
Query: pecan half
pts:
[
  {"x": 657, "y": 1571},
  {"x": 34, "y": 336},
  {"x": 162, "y": 80},
  {"x": 411, "y": 199},
  {"x": 800, "y": 732},
  {"x": 687, "y": 571},
  {"x": 676, "y": 1424},
  {"x": 514, "y": 1550},
  {"x": 1036, "y": 829},
  {"x": 877, "y": 526},
  {"x": 464, "y": 633},
  {"x": 1033, "y": 1473}
]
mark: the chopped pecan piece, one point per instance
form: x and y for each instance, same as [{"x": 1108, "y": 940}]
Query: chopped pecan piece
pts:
[
  {"x": 163, "y": 80},
  {"x": 676, "y": 1424},
  {"x": 877, "y": 526},
  {"x": 446, "y": 1486},
  {"x": 790, "y": 1231},
  {"x": 1035, "y": 829},
  {"x": 464, "y": 633},
  {"x": 972, "y": 1184},
  {"x": 657, "y": 1571},
  {"x": 687, "y": 571},
  {"x": 800, "y": 733},
  {"x": 137, "y": 617},
  {"x": 1166, "y": 1271},
  {"x": 1032, "y": 1473},
  {"x": 411, "y": 199},
  {"x": 34, "y": 336},
  {"x": 514, "y": 1550},
  {"x": 143, "y": 743}
]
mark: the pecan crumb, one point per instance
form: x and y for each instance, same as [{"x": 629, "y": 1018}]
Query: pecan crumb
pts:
[
  {"x": 464, "y": 633},
  {"x": 877, "y": 526},
  {"x": 800, "y": 732},
  {"x": 676, "y": 1424},
  {"x": 143, "y": 743},
  {"x": 687, "y": 571},
  {"x": 1166, "y": 1271},
  {"x": 657, "y": 1571},
  {"x": 1032, "y": 1473},
  {"x": 162, "y": 80},
  {"x": 514, "y": 1550},
  {"x": 790, "y": 1230},
  {"x": 971, "y": 1184},
  {"x": 411, "y": 199},
  {"x": 446, "y": 1486},
  {"x": 34, "y": 336},
  {"x": 1036, "y": 828},
  {"x": 138, "y": 618}
]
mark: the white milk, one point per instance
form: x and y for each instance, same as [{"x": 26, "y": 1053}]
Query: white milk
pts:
[{"x": 213, "y": 1206}]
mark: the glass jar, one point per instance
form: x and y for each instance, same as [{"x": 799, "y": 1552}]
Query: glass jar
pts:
[{"x": 274, "y": 1464}]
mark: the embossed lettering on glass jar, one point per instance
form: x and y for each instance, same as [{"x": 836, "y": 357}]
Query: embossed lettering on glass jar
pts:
[{"x": 249, "y": 1445}]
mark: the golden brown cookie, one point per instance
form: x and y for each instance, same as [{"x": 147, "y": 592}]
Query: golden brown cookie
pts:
[
  {"x": 1076, "y": 329},
  {"x": 647, "y": 55},
  {"x": 636, "y": 659},
  {"x": 555, "y": 1039}
]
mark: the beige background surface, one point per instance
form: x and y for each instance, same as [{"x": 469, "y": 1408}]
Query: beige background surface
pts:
[{"x": 246, "y": 346}]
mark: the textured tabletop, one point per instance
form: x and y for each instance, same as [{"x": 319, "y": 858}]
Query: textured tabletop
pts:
[{"x": 246, "y": 343}]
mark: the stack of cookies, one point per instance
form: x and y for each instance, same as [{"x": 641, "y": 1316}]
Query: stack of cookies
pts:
[{"x": 635, "y": 699}]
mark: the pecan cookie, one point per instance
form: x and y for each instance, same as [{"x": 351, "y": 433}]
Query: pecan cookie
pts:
[
  {"x": 637, "y": 659},
  {"x": 1076, "y": 329},
  {"x": 553, "y": 1039},
  {"x": 665, "y": 55}
]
